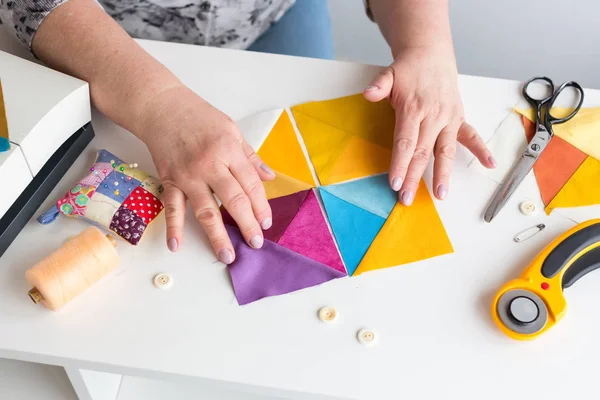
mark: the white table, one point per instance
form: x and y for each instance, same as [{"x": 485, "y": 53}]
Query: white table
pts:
[{"x": 437, "y": 338}]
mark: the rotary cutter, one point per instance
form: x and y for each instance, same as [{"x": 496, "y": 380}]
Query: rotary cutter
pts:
[{"x": 530, "y": 305}]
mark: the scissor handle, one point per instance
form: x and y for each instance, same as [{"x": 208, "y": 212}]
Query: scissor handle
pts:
[
  {"x": 548, "y": 118},
  {"x": 538, "y": 103}
]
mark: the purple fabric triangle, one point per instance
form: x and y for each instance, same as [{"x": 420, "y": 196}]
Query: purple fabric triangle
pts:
[
  {"x": 283, "y": 208},
  {"x": 308, "y": 234},
  {"x": 272, "y": 270}
]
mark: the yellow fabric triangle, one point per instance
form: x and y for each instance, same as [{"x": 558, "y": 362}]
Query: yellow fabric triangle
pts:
[
  {"x": 582, "y": 189},
  {"x": 3, "y": 120},
  {"x": 282, "y": 152},
  {"x": 583, "y": 131},
  {"x": 323, "y": 142},
  {"x": 354, "y": 115},
  {"x": 410, "y": 234},
  {"x": 359, "y": 158},
  {"x": 283, "y": 185}
]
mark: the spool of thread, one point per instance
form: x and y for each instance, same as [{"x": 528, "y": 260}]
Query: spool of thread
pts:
[{"x": 69, "y": 271}]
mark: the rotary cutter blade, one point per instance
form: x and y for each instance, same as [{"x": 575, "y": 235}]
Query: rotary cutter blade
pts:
[{"x": 528, "y": 306}]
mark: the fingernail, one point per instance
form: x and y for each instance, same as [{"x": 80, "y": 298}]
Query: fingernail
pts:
[
  {"x": 442, "y": 191},
  {"x": 266, "y": 224},
  {"x": 407, "y": 198},
  {"x": 172, "y": 244},
  {"x": 396, "y": 184},
  {"x": 492, "y": 161},
  {"x": 226, "y": 256},
  {"x": 371, "y": 88},
  {"x": 267, "y": 169},
  {"x": 257, "y": 241}
]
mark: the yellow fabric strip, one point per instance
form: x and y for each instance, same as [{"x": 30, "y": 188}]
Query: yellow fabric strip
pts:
[
  {"x": 583, "y": 131},
  {"x": 582, "y": 189},
  {"x": 282, "y": 152},
  {"x": 410, "y": 234},
  {"x": 283, "y": 185}
]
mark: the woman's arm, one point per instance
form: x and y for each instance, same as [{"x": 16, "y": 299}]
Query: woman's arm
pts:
[
  {"x": 197, "y": 149},
  {"x": 413, "y": 23},
  {"x": 422, "y": 86},
  {"x": 80, "y": 39}
]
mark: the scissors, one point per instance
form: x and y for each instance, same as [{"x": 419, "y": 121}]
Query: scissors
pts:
[{"x": 543, "y": 135}]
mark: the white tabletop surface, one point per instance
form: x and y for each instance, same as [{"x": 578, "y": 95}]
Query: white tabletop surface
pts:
[{"x": 436, "y": 335}]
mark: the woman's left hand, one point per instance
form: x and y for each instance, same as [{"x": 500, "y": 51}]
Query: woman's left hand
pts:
[{"x": 421, "y": 85}]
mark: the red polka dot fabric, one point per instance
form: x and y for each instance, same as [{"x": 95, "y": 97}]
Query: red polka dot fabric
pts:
[{"x": 144, "y": 204}]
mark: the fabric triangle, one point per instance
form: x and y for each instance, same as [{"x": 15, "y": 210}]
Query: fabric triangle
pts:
[
  {"x": 283, "y": 185},
  {"x": 282, "y": 152},
  {"x": 323, "y": 142},
  {"x": 346, "y": 138},
  {"x": 256, "y": 127},
  {"x": 283, "y": 210},
  {"x": 308, "y": 234},
  {"x": 410, "y": 234},
  {"x": 354, "y": 115},
  {"x": 272, "y": 270},
  {"x": 354, "y": 228},
  {"x": 373, "y": 194},
  {"x": 582, "y": 189},
  {"x": 581, "y": 131},
  {"x": 358, "y": 159},
  {"x": 556, "y": 165}
]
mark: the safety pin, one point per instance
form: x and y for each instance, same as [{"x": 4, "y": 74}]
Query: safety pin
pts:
[{"x": 528, "y": 233}]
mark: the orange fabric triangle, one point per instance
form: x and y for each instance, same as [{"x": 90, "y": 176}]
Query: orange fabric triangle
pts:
[
  {"x": 283, "y": 185},
  {"x": 410, "y": 234},
  {"x": 556, "y": 165},
  {"x": 282, "y": 152}
]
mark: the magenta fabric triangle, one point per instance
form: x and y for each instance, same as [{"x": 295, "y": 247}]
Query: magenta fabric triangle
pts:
[
  {"x": 283, "y": 209},
  {"x": 272, "y": 270},
  {"x": 308, "y": 234}
]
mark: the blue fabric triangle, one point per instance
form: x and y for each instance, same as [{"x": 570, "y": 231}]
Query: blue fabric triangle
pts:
[
  {"x": 354, "y": 228},
  {"x": 373, "y": 194}
]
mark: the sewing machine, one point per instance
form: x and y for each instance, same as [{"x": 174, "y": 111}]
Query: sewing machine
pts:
[{"x": 48, "y": 118}]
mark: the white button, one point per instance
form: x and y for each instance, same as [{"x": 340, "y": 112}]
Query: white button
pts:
[
  {"x": 528, "y": 207},
  {"x": 367, "y": 337},
  {"x": 328, "y": 314},
  {"x": 163, "y": 281}
]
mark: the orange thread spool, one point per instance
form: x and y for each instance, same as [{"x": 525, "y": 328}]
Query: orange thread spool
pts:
[{"x": 69, "y": 271}]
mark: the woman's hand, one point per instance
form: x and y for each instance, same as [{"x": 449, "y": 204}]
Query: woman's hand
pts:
[
  {"x": 198, "y": 150},
  {"x": 421, "y": 85}
]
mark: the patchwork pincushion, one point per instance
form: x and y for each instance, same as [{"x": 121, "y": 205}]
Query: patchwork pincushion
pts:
[{"x": 115, "y": 195}]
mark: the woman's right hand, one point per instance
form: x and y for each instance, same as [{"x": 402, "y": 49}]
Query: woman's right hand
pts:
[{"x": 199, "y": 151}]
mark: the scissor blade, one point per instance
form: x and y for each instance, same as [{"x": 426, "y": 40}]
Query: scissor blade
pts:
[{"x": 510, "y": 184}]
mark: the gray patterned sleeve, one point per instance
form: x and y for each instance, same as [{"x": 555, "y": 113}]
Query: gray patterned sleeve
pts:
[{"x": 22, "y": 18}]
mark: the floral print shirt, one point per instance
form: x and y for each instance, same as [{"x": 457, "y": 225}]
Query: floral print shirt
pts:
[{"x": 223, "y": 23}]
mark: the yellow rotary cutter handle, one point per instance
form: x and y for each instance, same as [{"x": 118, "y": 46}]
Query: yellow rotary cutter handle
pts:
[{"x": 530, "y": 305}]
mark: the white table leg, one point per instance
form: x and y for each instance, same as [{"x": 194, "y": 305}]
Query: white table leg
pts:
[{"x": 92, "y": 385}]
